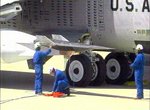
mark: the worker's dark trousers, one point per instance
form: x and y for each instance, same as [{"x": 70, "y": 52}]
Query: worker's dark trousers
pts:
[
  {"x": 62, "y": 85},
  {"x": 139, "y": 83},
  {"x": 38, "y": 78}
]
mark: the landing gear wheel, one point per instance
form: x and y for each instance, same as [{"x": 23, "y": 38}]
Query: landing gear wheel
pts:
[
  {"x": 99, "y": 72},
  {"x": 131, "y": 72},
  {"x": 117, "y": 68},
  {"x": 78, "y": 70}
]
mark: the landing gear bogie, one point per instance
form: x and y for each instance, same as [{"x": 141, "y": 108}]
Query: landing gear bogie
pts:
[
  {"x": 117, "y": 68},
  {"x": 78, "y": 70}
]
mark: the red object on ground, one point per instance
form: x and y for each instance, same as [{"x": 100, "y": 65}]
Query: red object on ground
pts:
[
  {"x": 55, "y": 94},
  {"x": 48, "y": 94},
  {"x": 58, "y": 94}
]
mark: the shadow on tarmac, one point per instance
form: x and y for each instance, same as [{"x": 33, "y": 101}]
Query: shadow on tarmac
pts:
[
  {"x": 23, "y": 80},
  {"x": 104, "y": 95}
]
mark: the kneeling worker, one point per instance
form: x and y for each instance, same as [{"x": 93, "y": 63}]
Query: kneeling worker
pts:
[{"x": 61, "y": 84}]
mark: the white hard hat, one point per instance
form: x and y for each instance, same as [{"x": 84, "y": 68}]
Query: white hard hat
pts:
[
  {"x": 139, "y": 47},
  {"x": 37, "y": 44}
]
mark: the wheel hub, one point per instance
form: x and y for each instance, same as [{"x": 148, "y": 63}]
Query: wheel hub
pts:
[
  {"x": 113, "y": 69},
  {"x": 76, "y": 71}
]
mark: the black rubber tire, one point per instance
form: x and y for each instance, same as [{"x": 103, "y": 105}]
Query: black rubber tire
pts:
[
  {"x": 87, "y": 69},
  {"x": 100, "y": 78},
  {"x": 122, "y": 76},
  {"x": 131, "y": 73}
]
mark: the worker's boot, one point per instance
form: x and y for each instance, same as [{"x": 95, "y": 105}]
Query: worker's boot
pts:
[
  {"x": 39, "y": 93},
  {"x": 67, "y": 91}
]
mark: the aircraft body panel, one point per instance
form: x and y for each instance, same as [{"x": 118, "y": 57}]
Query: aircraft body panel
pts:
[
  {"x": 124, "y": 28},
  {"x": 4, "y": 2},
  {"x": 112, "y": 23}
]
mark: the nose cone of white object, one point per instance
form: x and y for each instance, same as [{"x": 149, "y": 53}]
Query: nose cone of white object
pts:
[{"x": 16, "y": 46}]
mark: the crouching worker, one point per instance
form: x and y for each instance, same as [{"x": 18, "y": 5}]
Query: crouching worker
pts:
[{"x": 61, "y": 85}]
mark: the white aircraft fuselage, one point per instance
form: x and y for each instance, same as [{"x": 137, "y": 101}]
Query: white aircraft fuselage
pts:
[
  {"x": 119, "y": 24},
  {"x": 127, "y": 23}
]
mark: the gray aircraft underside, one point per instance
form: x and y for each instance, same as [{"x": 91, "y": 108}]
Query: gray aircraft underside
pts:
[{"x": 110, "y": 23}]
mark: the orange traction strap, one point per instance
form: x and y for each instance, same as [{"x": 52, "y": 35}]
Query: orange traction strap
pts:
[{"x": 55, "y": 94}]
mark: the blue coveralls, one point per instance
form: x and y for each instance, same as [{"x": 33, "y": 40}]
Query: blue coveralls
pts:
[
  {"x": 138, "y": 66},
  {"x": 38, "y": 66},
  {"x": 61, "y": 82}
]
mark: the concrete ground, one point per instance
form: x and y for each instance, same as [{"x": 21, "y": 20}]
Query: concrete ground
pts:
[{"x": 17, "y": 94}]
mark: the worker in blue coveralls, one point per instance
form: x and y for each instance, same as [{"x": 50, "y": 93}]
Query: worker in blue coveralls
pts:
[
  {"x": 61, "y": 83},
  {"x": 138, "y": 66},
  {"x": 38, "y": 66}
]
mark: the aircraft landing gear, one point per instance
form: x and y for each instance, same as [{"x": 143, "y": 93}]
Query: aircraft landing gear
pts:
[
  {"x": 78, "y": 70},
  {"x": 118, "y": 69},
  {"x": 99, "y": 71},
  {"x": 83, "y": 70},
  {"x": 131, "y": 57}
]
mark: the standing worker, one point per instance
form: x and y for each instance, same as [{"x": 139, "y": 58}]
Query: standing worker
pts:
[
  {"x": 61, "y": 85},
  {"x": 38, "y": 66},
  {"x": 138, "y": 66}
]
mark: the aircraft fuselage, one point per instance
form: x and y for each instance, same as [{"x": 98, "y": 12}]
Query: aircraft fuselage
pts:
[{"x": 119, "y": 24}]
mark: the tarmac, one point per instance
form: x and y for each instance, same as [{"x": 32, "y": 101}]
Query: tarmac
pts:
[{"x": 17, "y": 93}]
